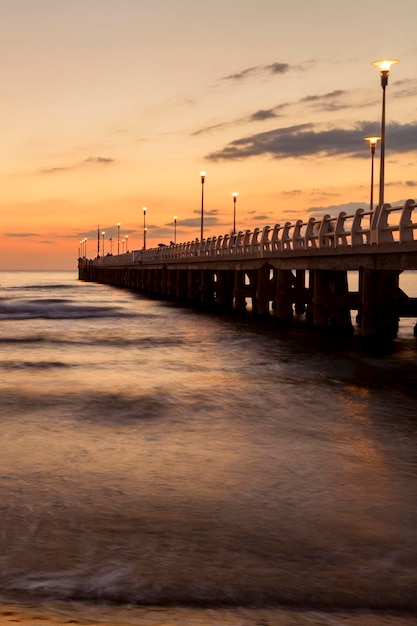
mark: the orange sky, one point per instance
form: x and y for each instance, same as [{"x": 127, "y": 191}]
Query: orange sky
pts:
[{"x": 112, "y": 105}]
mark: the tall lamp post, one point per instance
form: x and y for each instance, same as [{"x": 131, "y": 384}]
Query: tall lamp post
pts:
[
  {"x": 203, "y": 178},
  {"x": 384, "y": 67},
  {"x": 102, "y": 234},
  {"x": 175, "y": 229},
  {"x": 372, "y": 144},
  {"x": 235, "y": 195},
  {"x": 127, "y": 247},
  {"x": 118, "y": 237},
  {"x": 144, "y": 227}
]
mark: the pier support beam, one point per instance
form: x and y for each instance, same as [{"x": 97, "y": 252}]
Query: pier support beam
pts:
[
  {"x": 182, "y": 284},
  {"x": 340, "y": 316},
  {"x": 263, "y": 290},
  {"x": 207, "y": 287},
  {"x": 379, "y": 316},
  {"x": 300, "y": 292},
  {"x": 239, "y": 291},
  {"x": 224, "y": 289},
  {"x": 321, "y": 298},
  {"x": 284, "y": 296},
  {"x": 193, "y": 287}
]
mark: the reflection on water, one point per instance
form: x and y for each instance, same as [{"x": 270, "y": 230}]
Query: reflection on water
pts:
[{"x": 156, "y": 455}]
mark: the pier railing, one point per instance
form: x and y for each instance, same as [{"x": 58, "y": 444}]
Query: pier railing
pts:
[{"x": 394, "y": 225}]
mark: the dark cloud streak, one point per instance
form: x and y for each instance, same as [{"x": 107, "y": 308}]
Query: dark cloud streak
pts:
[
  {"x": 273, "y": 68},
  {"x": 88, "y": 161},
  {"x": 304, "y": 140}
]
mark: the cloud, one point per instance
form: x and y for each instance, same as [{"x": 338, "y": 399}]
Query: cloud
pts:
[
  {"x": 211, "y": 212},
  {"x": 408, "y": 88},
  {"x": 273, "y": 68},
  {"x": 263, "y": 114},
  {"x": 193, "y": 222},
  {"x": 76, "y": 166},
  {"x": 21, "y": 234},
  {"x": 208, "y": 129},
  {"x": 305, "y": 140},
  {"x": 99, "y": 160},
  {"x": 324, "y": 102},
  {"x": 335, "y": 209},
  {"x": 277, "y": 68}
]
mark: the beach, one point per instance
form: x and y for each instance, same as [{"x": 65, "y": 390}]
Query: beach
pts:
[{"x": 62, "y": 614}]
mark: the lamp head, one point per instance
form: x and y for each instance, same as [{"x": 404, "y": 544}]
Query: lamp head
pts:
[
  {"x": 203, "y": 176},
  {"x": 144, "y": 209},
  {"x": 235, "y": 195},
  {"x": 372, "y": 143},
  {"x": 384, "y": 68}
]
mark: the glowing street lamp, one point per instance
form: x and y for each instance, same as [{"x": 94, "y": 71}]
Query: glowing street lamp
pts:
[
  {"x": 102, "y": 234},
  {"x": 175, "y": 229},
  {"x": 144, "y": 227},
  {"x": 118, "y": 237},
  {"x": 384, "y": 67},
  {"x": 127, "y": 247},
  {"x": 235, "y": 195},
  {"x": 203, "y": 178},
  {"x": 123, "y": 246},
  {"x": 372, "y": 144},
  {"x": 84, "y": 247}
]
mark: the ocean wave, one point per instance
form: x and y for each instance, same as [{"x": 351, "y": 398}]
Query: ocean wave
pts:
[
  {"x": 37, "y": 310},
  {"x": 37, "y": 287},
  {"x": 119, "y": 585},
  {"x": 42, "y": 365}
]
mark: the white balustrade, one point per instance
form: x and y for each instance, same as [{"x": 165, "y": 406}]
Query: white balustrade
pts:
[{"x": 395, "y": 225}]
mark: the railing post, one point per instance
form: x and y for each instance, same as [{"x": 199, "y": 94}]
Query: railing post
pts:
[{"x": 406, "y": 223}]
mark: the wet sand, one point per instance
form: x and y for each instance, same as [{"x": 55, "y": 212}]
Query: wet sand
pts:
[{"x": 83, "y": 614}]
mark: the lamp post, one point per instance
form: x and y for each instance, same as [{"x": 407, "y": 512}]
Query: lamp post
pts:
[
  {"x": 175, "y": 229},
  {"x": 127, "y": 247},
  {"x": 123, "y": 246},
  {"x": 372, "y": 144},
  {"x": 235, "y": 195},
  {"x": 144, "y": 227},
  {"x": 111, "y": 246},
  {"x": 102, "y": 234},
  {"x": 203, "y": 178},
  {"x": 118, "y": 237},
  {"x": 384, "y": 67}
]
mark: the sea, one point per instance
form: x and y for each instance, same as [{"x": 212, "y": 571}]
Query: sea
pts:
[{"x": 172, "y": 466}]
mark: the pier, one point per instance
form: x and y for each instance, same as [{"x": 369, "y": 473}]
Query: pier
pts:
[{"x": 303, "y": 268}]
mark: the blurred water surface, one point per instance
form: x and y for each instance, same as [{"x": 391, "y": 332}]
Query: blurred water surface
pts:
[{"x": 156, "y": 455}]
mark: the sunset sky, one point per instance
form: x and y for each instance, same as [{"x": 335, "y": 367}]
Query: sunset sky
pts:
[{"x": 112, "y": 105}]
